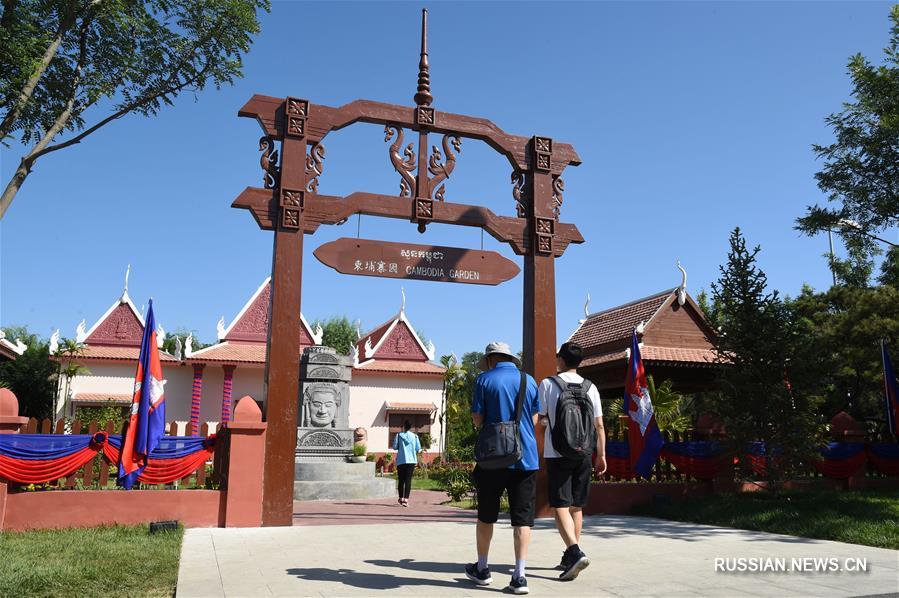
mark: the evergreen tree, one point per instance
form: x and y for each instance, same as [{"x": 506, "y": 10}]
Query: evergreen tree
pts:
[
  {"x": 859, "y": 174},
  {"x": 759, "y": 401}
]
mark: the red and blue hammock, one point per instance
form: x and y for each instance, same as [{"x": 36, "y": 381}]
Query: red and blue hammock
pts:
[{"x": 38, "y": 458}]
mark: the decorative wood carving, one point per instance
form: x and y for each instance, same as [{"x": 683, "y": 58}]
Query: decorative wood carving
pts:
[
  {"x": 518, "y": 193},
  {"x": 269, "y": 162},
  {"x": 314, "y": 167},
  {"x": 404, "y": 164},
  {"x": 558, "y": 189}
]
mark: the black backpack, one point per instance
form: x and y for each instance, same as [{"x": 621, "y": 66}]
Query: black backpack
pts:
[
  {"x": 499, "y": 445},
  {"x": 574, "y": 432}
]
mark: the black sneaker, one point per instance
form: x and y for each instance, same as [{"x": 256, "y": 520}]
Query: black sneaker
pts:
[
  {"x": 518, "y": 585},
  {"x": 482, "y": 577},
  {"x": 576, "y": 563},
  {"x": 564, "y": 564}
]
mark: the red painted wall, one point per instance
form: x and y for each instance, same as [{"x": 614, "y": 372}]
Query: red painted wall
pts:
[
  {"x": 616, "y": 498},
  {"x": 90, "y": 508}
]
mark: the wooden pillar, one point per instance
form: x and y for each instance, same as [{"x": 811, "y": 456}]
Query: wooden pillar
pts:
[
  {"x": 195, "y": 398},
  {"x": 539, "y": 317},
  {"x": 282, "y": 369},
  {"x": 226, "y": 393}
]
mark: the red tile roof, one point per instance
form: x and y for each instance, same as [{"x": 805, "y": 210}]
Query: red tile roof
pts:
[
  {"x": 119, "y": 353},
  {"x": 411, "y": 407},
  {"x": 687, "y": 357},
  {"x": 618, "y": 323},
  {"x": 231, "y": 352},
  {"x": 396, "y": 366}
]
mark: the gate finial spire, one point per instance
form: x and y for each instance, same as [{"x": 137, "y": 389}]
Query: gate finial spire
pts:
[{"x": 423, "y": 97}]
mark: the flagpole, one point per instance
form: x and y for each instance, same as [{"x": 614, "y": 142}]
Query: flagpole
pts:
[{"x": 891, "y": 425}]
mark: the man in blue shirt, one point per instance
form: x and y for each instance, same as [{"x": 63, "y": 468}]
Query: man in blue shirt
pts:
[{"x": 494, "y": 400}]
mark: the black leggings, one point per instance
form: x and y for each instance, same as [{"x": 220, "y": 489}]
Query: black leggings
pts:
[{"x": 404, "y": 479}]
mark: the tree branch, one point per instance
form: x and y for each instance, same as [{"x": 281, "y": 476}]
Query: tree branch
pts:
[
  {"x": 116, "y": 115},
  {"x": 15, "y": 110}
]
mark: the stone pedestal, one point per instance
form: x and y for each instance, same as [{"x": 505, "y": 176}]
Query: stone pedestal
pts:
[
  {"x": 322, "y": 469},
  {"x": 329, "y": 480}
]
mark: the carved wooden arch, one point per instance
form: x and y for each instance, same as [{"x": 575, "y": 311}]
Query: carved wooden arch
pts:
[
  {"x": 520, "y": 151},
  {"x": 290, "y": 205}
]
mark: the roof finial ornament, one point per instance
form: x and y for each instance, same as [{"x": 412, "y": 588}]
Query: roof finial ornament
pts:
[
  {"x": 682, "y": 289},
  {"x": 220, "y": 329},
  {"x": 403, "y": 306},
  {"x": 54, "y": 342},
  {"x": 125, "y": 298},
  {"x": 423, "y": 97},
  {"x": 586, "y": 309},
  {"x": 80, "y": 332}
]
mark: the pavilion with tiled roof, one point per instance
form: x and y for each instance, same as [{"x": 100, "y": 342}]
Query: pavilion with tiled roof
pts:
[
  {"x": 241, "y": 345},
  {"x": 676, "y": 342},
  {"x": 394, "y": 377},
  {"x": 394, "y": 350},
  {"x": 110, "y": 345}
]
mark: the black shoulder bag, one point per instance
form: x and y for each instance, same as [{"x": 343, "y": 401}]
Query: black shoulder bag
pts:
[{"x": 499, "y": 444}]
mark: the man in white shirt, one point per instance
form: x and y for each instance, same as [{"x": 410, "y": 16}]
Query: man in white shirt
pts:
[{"x": 569, "y": 475}]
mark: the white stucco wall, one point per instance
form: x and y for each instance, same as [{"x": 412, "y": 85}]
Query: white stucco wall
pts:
[{"x": 368, "y": 395}]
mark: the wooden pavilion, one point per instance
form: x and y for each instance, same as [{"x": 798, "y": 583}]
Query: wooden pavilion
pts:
[{"x": 676, "y": 343}]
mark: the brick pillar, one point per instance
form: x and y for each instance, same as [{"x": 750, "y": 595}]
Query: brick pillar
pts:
[
  {"x": 10, "y": 422},
  {"x": 226, "y": 393},
  {"x": 243, "y": 478},
  {"x": 195, "y": 396}
]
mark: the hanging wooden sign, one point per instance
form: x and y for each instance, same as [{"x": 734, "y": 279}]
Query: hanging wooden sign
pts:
[{"x": 418, "y": 262}]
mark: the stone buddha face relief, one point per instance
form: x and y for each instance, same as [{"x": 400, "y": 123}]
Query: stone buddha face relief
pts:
[{"x": 322, "y": 402}]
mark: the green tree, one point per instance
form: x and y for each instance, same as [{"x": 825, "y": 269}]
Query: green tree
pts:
[
  {"x": 760, "y": 399},
  {"x": 459, "y": 382},
  {"x": 66, "y": 369},
  {"x": 859, "y": 175},
  {"x": 32, "y": 376},
  {"x": 338, "y": 333},
  {"x": 61, "y": 58},
  {"x": 170, "y": 343},
  {"x": 889, "y": 269},
  {"x": 673, "y": 411},
  {"x": 839, "y": 332}
]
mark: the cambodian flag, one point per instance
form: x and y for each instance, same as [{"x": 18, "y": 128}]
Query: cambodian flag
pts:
[
  {"x": 644, "y": 437},
  {"x": 147, "y": 422},
  {"x": 890, "y": 391}
]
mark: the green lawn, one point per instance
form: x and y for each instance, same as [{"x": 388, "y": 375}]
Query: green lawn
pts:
[
  {"x": 858, "y": 517},
  {"x": 108, "y": 561},
  {"x": 425, "y": 484}
]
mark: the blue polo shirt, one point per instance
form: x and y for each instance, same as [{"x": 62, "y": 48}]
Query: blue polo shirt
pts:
[{"x": 495, "y": 395}]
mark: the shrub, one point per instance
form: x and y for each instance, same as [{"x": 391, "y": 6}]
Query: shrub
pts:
[
  {"x": 359, "y": 450},
  {"x": 458, "y": 489},
  {"x": 426, "y": 440}
]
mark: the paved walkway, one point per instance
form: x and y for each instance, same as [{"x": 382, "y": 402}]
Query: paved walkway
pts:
[
  {"x": 424, "y": 506},
  {"x": 631, "y": 556}
]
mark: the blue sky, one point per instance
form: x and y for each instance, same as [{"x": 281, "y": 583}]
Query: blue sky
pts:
[{"x": 690, "y": 119}]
